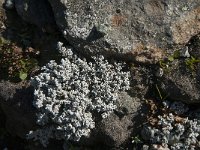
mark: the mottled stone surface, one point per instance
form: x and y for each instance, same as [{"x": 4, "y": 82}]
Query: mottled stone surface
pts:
[
  {"x": 147, "y": 28},
  {"x": 118, "y": 127},
  {"x": 120, "y": 26},
  {"x": 186, "y": 26}
]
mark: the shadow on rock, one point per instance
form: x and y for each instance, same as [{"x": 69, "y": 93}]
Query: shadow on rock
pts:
[{"x": 16, "y": 103}]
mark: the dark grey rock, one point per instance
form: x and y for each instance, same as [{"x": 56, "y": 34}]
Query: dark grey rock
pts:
[
  {"x": 180, "y": 83},
  {"x": 118, "y": 127},
  {"x": 194, "y": 46},
  {"x": 16, "y": 103},
  {"x": 180, "y": 79},
  {"x": 38, "y": 13}
]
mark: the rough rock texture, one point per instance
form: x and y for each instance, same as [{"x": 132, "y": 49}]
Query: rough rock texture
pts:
[
  {"x": 120, "y": 26},
  {"x": 186, "y": 26},
  {"x": 140, "y": 31},
  {"x": 16, "y": 103},
  {"x": 143, "y": 29},
  {"x": 180, "y": 84},
  {"x": 181, "y": 79},
  {"x": 117, "y": 129},
  {"x": 194, "y": 46}
]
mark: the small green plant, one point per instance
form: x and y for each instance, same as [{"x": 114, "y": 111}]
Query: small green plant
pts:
[
  {"x": 191, "y": 63},
  {"x": 174, "y": 56},
  {"x": 165, "y": 64},
  {"x": 3, "y": 41},
  {"x": 136, "y": 140}
]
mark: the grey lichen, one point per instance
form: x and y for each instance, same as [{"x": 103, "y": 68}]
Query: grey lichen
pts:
[
  {"x": 67, "y": 94},
  {"x": 172, "y": 131}
]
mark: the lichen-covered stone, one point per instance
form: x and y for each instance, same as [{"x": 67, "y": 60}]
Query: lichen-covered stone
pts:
[
  {"x": 117, "y": 27},
  {"x": 176, "y": 135},
  {"x": 66, "y": 95},
  {"x": 120, "y": 26},
  {"x": 187, "y": 26}
]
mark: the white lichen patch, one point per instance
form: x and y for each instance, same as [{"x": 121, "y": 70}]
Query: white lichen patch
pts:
[
  {"x": 172, "y": 131},
  {"x": 67, "y": 94}
]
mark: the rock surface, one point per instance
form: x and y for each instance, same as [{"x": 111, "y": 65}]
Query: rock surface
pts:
[
  {"x": 179, "y": 84},
  {"x": 117, "y": 128},
  {"x": 142, "y": 29},
  {"x": 186, "y": 26},
  {"x": 39, "y": 13},
  {"x": 16, "y": 103},
  {"x": 145, "y": 28},
  {"x": 181, "y": 80}
]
